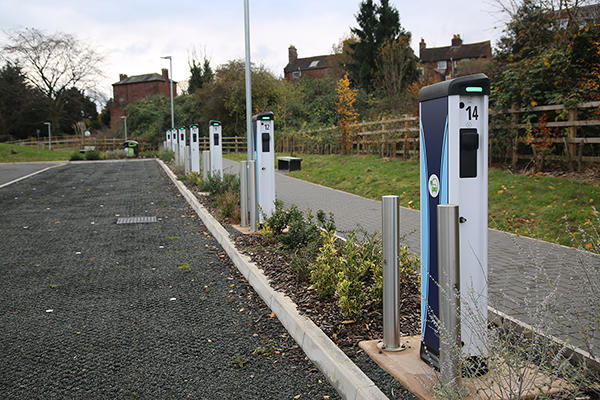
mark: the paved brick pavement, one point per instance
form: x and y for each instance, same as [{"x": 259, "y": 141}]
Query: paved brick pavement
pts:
[{"x": 531, "y": 280}]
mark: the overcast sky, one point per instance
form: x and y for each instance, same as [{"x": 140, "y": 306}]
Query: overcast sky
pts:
[{"x": 132, "y": 35}]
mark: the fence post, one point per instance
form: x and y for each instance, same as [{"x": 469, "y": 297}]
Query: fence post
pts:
[{"x": 572, "y": 135}]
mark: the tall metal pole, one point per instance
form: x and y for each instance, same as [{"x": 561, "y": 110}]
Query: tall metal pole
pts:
[
  {"x": 248, "y": 82},
  {"x": 449, "y": 298},
  {"x": 171, "y": 86},
  {"x": 391, "y": 279},
  {"x": 252, "y": 206}
]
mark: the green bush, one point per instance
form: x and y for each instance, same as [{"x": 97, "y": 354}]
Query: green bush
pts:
[
  {"x": 93, "y": 155},
  {"x": 215, "y": 185},
  {"x": 193, "y": 179},
  {"x": 324, "y": 270},
  {"x": 166, "y": 155},
  {"x": 76, "y": 156},
  {"x": 229, "y": 204},
  {"x": 115, "y": 154},
  {"x": 149, "y": 154}
]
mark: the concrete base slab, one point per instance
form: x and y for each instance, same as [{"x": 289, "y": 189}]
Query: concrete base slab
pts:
[
  {"x": 420, "y": 379},
  {"x": 243, "y": 229}
]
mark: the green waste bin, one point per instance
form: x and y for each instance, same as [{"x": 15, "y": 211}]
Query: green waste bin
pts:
[{"x": 132, "y": 148}]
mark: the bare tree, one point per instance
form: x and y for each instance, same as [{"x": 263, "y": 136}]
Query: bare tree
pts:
[{"x": 53, "y": 63}]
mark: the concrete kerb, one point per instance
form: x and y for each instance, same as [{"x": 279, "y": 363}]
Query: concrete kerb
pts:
[{"x": 350, "y": 382}]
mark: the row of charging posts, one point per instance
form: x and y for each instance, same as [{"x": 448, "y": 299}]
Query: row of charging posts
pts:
[
  {"x": 454, "y": 175},
  {"x": 176, "y": 142}
]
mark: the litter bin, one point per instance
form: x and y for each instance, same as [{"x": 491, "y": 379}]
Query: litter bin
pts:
[{"x": 132, "y": 148}]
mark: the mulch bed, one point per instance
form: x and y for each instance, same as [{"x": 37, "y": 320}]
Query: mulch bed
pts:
[
  {"x": 270, "y": 255},
  {"x": 272, "y": 258}
]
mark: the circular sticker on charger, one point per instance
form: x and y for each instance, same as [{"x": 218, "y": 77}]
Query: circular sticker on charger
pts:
[{"x": 434, "y": 185}]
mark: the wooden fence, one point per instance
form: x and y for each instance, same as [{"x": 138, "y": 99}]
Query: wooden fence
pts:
[
  {"x": 567, "y": 135},
  {"x": 75, "y": 142}
]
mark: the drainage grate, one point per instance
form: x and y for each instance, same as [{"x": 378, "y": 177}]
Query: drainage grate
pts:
[{"x": 136, "y": 220}]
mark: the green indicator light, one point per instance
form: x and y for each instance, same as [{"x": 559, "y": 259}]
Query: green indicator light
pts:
[
  {"x": 474, "y": 89},
  {"x": 266, "y": 118},
  {"x": 215, "y": 124}
]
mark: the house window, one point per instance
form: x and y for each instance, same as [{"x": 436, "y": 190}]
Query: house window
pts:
[
  {"x": 442, "y": 65},
  {"x": 313, "y": 64},
  {"x": 296, "y": 74}
]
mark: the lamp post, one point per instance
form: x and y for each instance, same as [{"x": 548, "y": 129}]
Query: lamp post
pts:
[
  {"x": 248, "y": 82},
  {"x": 124, "y": 118},
  {"x": 49, "y": 134},
  {"x": 171, "y": 81}
]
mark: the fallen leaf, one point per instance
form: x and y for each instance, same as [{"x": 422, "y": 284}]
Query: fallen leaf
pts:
[
  {"x": 588, "y": 246},
  {"x": 348, "y": 322},
  {"x": 272, "y": 315},
  {"x": 297, "y": 396}
]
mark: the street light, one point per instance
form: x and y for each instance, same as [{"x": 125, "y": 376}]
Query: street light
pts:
[
  {"x": 124, "y": 118},
  {"x": 171, "y": 81},
  {"x": 248, "y": 82},
  {"x": 49, "y": 134}
]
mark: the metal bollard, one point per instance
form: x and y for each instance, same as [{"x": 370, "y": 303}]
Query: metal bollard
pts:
[
  {"x": 243, "y": 193},
  {"x": 205, "y": 164},
  {"x": 252, "y": 203},
  {"x": 186, "y": 159},
  {"x": 391, "y": 282},
  {"x": 449, "y": 299}
]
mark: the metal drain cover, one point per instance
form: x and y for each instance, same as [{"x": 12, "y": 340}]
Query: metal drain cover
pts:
[{"x": 136, "y": 220}]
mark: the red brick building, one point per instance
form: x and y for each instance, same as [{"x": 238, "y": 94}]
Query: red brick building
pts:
[
  {"x": 439, "y": 63},
  {"x": 132, "y": 88},
  {"x": 316, "y": 67}
]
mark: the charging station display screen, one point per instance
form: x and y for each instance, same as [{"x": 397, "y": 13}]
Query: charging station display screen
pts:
[{"x": 216, "y": 138}]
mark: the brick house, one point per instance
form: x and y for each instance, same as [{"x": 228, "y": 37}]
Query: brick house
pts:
[
  {"x": 440, "y": 62},
  {"x": 132, "y": 88},
  {"x": 316, "y": 67}
]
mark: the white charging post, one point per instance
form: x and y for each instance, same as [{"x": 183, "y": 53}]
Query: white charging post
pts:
[
  {"x": 182, "y": 145},
  {"x": 264, "y": 154},
  {"x": 454, "y": 170},
  {"x": 194, "y": 148},
  {"x": 174, "y": 145},
  {"x": 168, "y": 141},
  {"x": 216, "y": 148}
]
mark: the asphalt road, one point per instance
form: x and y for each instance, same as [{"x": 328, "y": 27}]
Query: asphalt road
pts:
[
  {"x": 95, "y": 309},
  {"x": 12, "y": 171}
]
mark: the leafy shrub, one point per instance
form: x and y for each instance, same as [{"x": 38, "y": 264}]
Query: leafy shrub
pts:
[
  {"x": 166, "y": 155},
  {"x": 193, "y": 179},
  {"x": 149, "y": 154},
  {"x": 115, "y": 154},
  {"x": 179, "y": 171},
  {"x": 215, "y": 185},
  {"x": 93, "y": 155},
  {"x": 76, "y": 156},
  {"x": 324, "y": 270}
]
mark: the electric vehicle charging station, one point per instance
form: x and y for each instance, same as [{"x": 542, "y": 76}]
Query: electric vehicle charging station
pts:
[
  {"x": 264, "y": 154},
  {"x": 454, "y": 170},
  {"x": 182, "y": 145},
  {"x": 216, "y": 148},
  {"x": 194, "y": 148},
  {"x": 168, "y": 142},
  {"x": 173, "y": 140}
]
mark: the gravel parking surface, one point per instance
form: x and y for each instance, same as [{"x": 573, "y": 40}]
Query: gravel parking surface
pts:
[{"x": 95, "y": 309}]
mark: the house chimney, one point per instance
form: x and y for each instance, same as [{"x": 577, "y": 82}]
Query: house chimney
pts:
[
  {"x": 122, "y": 77},
  {"x": 456, "y": 40},
  {"x": 422, "y": 46},
  {"x": 292, "y": 54},
  {"x": 165, "y": 74}
]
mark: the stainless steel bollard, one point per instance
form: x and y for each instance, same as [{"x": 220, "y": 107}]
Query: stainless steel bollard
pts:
[
  {"x": 186, "y": 159},
  {"x": 449, "y": 298},
  {"x": 391, "y": 280},
  {"x": 243, "y": 193},
  {"x": 205, "y": 164},
  {"x": 252, "y": 203}
]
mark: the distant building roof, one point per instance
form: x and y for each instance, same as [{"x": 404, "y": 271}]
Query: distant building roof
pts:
[
  {"x": 126, "y": 80},
  {"x": 471, "y": 50},
  {"x": 308, "y": 63}
]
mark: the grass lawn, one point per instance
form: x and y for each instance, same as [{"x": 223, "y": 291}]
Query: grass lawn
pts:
[
  {"x": 15, "y": 153},
  {"x": 558, "y": 210}
]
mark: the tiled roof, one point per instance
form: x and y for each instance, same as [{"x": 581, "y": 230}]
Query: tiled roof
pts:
[
  {"x": 471, "y": 50},
  {"x": 308, "y": 63},
  {"x": 142, "y": 78}
]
